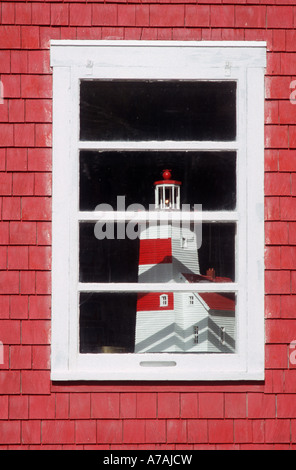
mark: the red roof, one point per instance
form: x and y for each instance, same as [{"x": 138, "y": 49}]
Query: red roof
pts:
[
  {"x": 219, "y": 301},
  {"x": 167, "y": 178},
  {"x": 215, "y": 300},
  {"x": 151, "y": 301},
  {"x": 168, "y": 182}
]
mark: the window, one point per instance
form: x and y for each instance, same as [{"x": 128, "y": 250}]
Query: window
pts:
[
  {"x": 184, "y": 242},
  {"x": 157, "y": 210},
  {"x": 163, "y": 300},
  {"x": 195, "y": 334},
  {"x": 222, "y": 334}
]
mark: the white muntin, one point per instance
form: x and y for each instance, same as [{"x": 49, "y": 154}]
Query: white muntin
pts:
[{"x": 1, "y": 353}]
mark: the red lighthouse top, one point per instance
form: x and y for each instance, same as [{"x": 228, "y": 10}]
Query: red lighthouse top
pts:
[
  {"x": 166, "y": 174},
  {"x": 167, "y": 192}
]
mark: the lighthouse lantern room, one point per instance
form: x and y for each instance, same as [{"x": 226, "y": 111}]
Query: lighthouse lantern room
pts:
[{"x": 167, "y": 192}]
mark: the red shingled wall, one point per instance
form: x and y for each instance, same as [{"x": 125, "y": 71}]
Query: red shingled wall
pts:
[{"x": 35, "y": 412}]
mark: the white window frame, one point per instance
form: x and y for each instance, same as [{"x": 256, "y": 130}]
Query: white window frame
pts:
[
  {"x": 241, "y": 61},
  {"x": 163, "y": 300}
]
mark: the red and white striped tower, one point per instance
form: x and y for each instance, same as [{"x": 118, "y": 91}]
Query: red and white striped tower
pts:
[
  {"x": 168, "y": 250},
  {"x": 178, "y": 321}
]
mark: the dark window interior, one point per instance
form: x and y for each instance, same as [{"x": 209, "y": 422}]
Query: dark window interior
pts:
[
  {"x": 208, "y": 178},
  {"x": 145, "y": 110},
  {"x": 157, "y": 110},
  {"x": 116, "y": 260},
  {"x": 108, "y": 321}
]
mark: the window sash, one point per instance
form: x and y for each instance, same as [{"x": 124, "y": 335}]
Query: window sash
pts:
[{"x": 241, "y": 61}]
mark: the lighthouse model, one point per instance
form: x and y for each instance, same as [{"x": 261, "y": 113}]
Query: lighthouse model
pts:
[{"x": 178, "y": 321}]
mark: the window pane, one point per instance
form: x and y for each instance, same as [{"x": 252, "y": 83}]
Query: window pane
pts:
[
  {"x": 107, "y": 322},
  {"x": 139, "y": 322},
  {"x": 111, "y": 259},
  {"x": 157, "y": 110},
  {"x": 217, "y": 251},
  {"x": 156, "y": 252},
  {"x": 207, "y": 178}
]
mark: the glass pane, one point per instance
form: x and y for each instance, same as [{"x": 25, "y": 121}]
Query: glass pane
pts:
[
  {"x": 207, "y": 178},
  {"x": 111, "y": 259},
  {"x": 157, "y": 110},
  {"x": 107, "y": 322},
  {"x": 217, "y": 251},
  {"x": 155, "y": 322},
  {"x": 156, "y": 252}
]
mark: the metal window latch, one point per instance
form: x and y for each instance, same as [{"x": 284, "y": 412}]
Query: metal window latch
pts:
[
  {"x": 89, "y": 67},
  {"x": 227, "y": 69}
]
